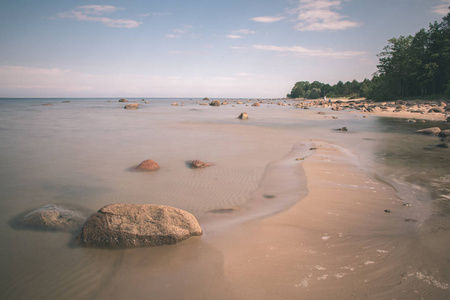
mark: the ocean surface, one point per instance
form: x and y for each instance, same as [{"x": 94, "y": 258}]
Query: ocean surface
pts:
[{"x": 82, "y": 152}]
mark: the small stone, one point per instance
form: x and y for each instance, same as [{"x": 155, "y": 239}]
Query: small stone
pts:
[
  {"x": 131, "y": 106},
  {"x": 387, "y": 211},
  {"x": 430, "y": 131},
  {"x": 255, "y": 104},
  {"x": 123, "y": 100},
  {"x": 147, "y": 165},
  {"x": 300, "y": 158},
  {"x": 243, "y": 116},
  {"x": 197, "y": 164},
  {"x": 215, "y": 103}
]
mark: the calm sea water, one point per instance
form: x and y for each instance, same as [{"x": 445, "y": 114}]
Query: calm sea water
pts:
[{"x": 82, "y": 152}]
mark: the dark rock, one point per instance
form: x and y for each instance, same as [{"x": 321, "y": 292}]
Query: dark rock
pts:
[
  {"x": 134, "y": 225},
  {"x": 215, "y": 103},
  {"x": 123, "y": 100},
  {"x": 444, "y": 133},
  {"x": 387, "y": 211},
  {"x": 223, "y": 210},
  {"x": 435, "y": 110},
  {"x": 342, "y": 129},
  {"x": 52, "y": 217},
  {"x": 147, "y": 165}
]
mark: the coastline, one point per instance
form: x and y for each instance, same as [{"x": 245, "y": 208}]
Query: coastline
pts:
[{"x": 336, "y": 241}]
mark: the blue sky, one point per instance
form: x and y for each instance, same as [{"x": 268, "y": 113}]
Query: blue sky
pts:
[{"x": 196, "y": 48}]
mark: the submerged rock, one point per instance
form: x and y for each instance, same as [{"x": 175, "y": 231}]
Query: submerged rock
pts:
[
  {"x": 444, "y": 133},
  {"x": 148, "y": 165},
  {"x": 430, "y": 131},
  {"x": 134, "y": 225},
  {"x": 52, "y": 217}
]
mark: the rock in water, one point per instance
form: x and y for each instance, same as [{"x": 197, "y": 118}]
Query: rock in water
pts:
[
  {"x": 243, "y": 116},
  {"x": 148, "y": 165},
  {"x": 53, "y": 217},
  {"x": 131, "y": 106},
  {"x": 430, "y": 131},
  {"x": 123, "y": 100},
  {"x": 134, "y": 225},
  {"x": 215, "y": 103},
  {"x": 196, "y": 164}
]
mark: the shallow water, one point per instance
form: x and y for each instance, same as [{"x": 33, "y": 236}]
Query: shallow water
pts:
[{"x": 82, "y": 153}]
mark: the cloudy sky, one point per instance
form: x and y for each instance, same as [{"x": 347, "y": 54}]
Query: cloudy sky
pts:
[{"x": 196, "y": 48}]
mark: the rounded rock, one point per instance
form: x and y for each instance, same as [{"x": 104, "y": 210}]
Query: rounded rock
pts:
[{"x": 138, "y": 225}]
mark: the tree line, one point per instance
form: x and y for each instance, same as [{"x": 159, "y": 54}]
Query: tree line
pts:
[{"x": 409, "y": 66}]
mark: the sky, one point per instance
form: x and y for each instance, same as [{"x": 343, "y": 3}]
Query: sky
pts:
[{"x": 196, "y": 48}]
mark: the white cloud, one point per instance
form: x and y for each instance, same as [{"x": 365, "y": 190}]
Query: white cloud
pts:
[
  {"x": 441, "y": 9},
  {"x": 186, "y": 31},
  {"x": 267, "y": 19},
  {"x": 93, "y": 13},
  {"x": 233, "y": 36},
  {"x": 318, "y": 15},
  {"x": 243, "y": 31},
  {"x": 302, "y": 51}
]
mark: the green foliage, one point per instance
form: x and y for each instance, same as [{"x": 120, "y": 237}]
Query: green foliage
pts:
[{"x": 409, "y": 66}]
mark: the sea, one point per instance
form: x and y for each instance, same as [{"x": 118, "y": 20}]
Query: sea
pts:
[{"x": 82, "y": 152}]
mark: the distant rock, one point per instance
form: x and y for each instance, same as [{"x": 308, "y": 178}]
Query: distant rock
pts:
[
  {"x": 435, "y": 110},
  {"x": 175, "y": 104},
  {"x": 147, "y": 165},
  {"x": 215, "y": 103},
  {"x": 134, "y": 225},
  {"x": 342, "y": 129},
  {"x": 52, "y": 217},
  {"x": 197, "y": 164},
  {"x": 206, "y": 99},
  {"x": 131, "y": 106},
  {"x": 255, "y": 104},
  {"x": 429, "y": 131},
  {"x": 66, "y": 101},
  {"x": 243, "y": 116},
  {"x": 123, "y": 100}
]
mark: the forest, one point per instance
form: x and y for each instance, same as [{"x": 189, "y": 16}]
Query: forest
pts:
[{"x": 409, "y": 67}]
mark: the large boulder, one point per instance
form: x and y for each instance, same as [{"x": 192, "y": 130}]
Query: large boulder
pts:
[
  {"x": 134, "y": 225},
  {"x": 52, "y": 217},
  {"x": 148, "y": 165},
  {"x": 429, "y": 131}
]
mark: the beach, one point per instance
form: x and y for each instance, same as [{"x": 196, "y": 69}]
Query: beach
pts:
[{"x": 292, "y": 208}]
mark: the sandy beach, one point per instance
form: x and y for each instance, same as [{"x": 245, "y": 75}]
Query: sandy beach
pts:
[{"x": 290, "y": 210}]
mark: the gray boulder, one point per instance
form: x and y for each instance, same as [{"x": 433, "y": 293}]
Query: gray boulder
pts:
[
  {"x": 53, "y": 217},
  {"x": 429, "y": 131},
  {"x": 138, "y": 225}
]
